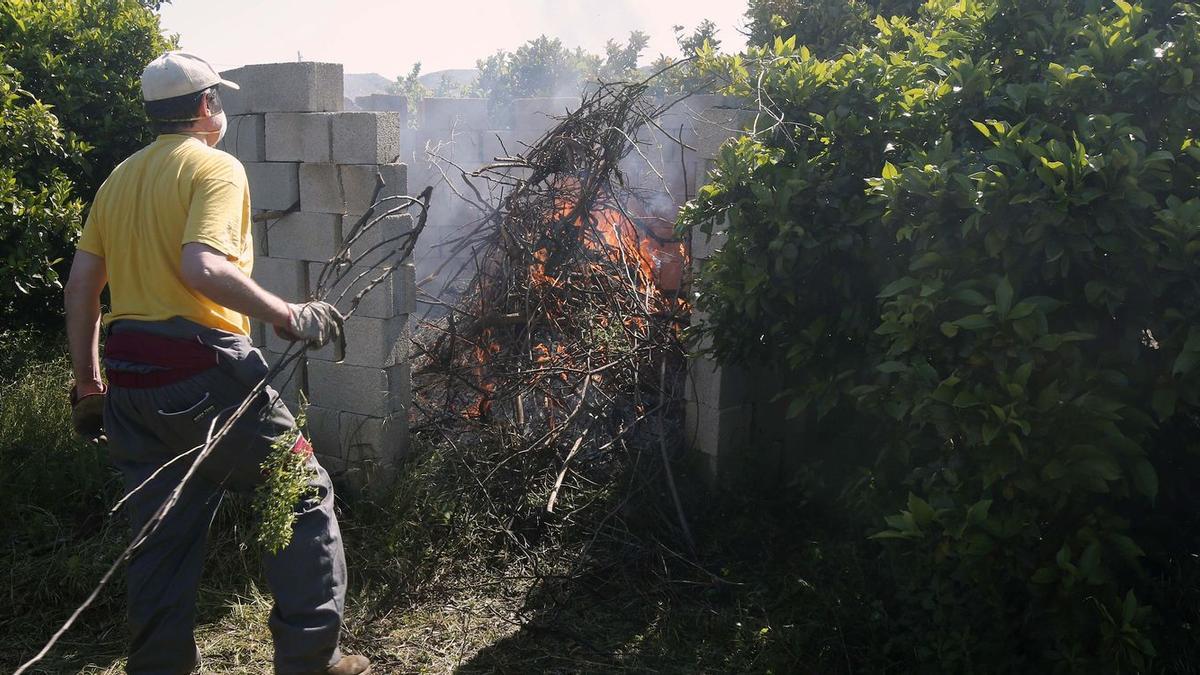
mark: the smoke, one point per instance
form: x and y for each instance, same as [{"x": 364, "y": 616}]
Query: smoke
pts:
[{"x": 660, "y": 174}]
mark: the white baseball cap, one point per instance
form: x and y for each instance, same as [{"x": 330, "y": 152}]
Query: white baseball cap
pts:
[{"x": 178, "y": 74}]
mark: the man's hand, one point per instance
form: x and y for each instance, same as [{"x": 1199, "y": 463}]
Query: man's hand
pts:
[
  {"x": 81, "y": 299},
  {"x": 316, "y": 323},
  {"x": 87, "y": 410}
]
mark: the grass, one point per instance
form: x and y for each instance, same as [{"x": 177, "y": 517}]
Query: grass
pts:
[{"x": 434, "y": 588}]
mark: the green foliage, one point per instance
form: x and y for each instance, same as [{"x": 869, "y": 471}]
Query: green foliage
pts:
[
  {"x": 285, "y": 484},
  {"x": 409, "y": 86},
  {"x": 825, "y": 26},
  {"x": 72, "y": 110},
  {"x": 972, "y": 242},
  {"x": 39, "y": 212},
  {"x": 545, "y": 67},
  {"x": 686, "y": 78},
  {"x": 85, "y": 58}
]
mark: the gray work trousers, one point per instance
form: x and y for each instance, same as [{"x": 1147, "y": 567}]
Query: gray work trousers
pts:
[{"x": 146, "y": 428}]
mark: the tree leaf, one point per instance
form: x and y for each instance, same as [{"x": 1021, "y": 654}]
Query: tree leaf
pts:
[
  {"x": 1145, "y": 478},
  {"x": 974, "y": 322},
  {"x": 979, "y": 511},
  {"x": 1004, "y": 296},
  {"x": 922, "y": 512},
  {"x": 898, "y": 286}
]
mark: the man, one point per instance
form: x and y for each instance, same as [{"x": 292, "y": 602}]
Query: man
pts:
[{"x": 169, "y": 233}]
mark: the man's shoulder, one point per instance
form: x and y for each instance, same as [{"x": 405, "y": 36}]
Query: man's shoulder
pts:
[
  {"x": 122, "y": 171},
  {"x": 214, "y": 164}
]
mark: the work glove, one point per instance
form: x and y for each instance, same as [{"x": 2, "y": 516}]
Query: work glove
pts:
[
  {"x": 316, "y": 323},
  {"x": 87, "y": 415}
]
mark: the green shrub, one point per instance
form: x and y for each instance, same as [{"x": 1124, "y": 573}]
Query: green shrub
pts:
[
  {"x": 79, "y": 64},
  {"x": 39, "y": 210},
  {"x": 824, "y": 26},
  {"x": 972, "y": 242}
]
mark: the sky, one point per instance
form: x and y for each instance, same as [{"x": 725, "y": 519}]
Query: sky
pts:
[{"x": 388, "y": 36}]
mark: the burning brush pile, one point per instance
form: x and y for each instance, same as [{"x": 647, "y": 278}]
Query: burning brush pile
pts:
[{"x": 557, "y": 374}]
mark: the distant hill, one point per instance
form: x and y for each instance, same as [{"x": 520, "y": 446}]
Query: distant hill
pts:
[
  {"x": 363, "y": 84},
  {"x": 459, "y": 77}
]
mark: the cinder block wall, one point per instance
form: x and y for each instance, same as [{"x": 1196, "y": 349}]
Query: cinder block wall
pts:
[{"x": 307, "y": 157}]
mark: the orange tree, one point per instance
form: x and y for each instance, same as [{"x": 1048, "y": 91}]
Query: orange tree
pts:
[
  {"x": 972, "y": 241},
  {"x": 75, "y": 65}
]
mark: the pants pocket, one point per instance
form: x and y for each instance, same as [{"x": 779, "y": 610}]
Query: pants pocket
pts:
[{"x": 195, "y": 407}]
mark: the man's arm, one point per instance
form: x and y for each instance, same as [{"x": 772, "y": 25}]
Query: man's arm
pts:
[
  {"x": 208, "y": 272},
  {"x": 81, "y": 299}
]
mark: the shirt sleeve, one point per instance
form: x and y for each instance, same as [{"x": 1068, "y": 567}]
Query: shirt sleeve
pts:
[
  {"x": 217, "y": 209},
  {"x": 90, "y": 240}
]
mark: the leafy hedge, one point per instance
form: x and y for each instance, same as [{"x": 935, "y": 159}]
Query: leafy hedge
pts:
[
  {"x": 39, "y": 209},
  {"x": 824, "y": 26},
  {"x": 77, "y": 114},
  {"x": 973, "y": 242}
]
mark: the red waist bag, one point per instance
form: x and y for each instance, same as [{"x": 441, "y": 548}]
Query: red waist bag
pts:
[{"x": 174, "y": 359}]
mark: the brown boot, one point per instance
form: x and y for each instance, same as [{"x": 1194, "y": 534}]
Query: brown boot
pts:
[{"x": 349, "y": 665}]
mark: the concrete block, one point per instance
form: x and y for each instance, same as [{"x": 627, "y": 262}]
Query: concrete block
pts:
[
  {"x": 284, "y": 87},
  {"x": 717, "y": 386},
  {"x": 258, "y": 231},
  {"x": 321, "y": 189},
  {"x": 713, "y": 431},
  {"x": 382, "y": 440},
  {"x": 324, "y": 432},
  {"x": 358, "y": 184},
  {"x": 375, "y": 447},
  {"x": 285, "y": 278},
  {"x": 383, "y": 102},
  {"x": 366, "y": 137},
  {"x": 408, "y": 140},
  {"x": 538, "y": 114},
  {"x": 400, "y": 383},
  {"x": 333, "y": 188},
  {"x": 526, "y": 137},
  {"x": 245, "y": 138},
  {"x": 298, "y": 137},
  {"x": 307, "y": 236},
  {"x": 372, "y": 342},
  {"x": 258, "y": 335},
  {"x": 492, "y": 145},
  {"x": 454, "y": 113},
  {"x": 365, "y": 390},
  {"x": 274, "y": 186},
  {"x": 713, "y": 120},
  {"x": 469, "y": 149},
  {"x": 291, "y": 380},
  {"x": 380, "y": 240},
  {"x": 393, "y": 296},
  {"x": 705, "y": 245},
  {"x": 453, "y": 145},
  {"x": 274, "y": 343}
]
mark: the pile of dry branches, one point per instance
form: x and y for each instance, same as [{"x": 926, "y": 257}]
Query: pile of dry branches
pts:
[{"x": 562, "y": 359}]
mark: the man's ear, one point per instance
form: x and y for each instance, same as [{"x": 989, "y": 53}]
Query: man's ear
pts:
[{"x": 204, "y": 112}]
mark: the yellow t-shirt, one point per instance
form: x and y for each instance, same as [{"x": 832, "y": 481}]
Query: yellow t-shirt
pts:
[{"x": 174, "y": 191}]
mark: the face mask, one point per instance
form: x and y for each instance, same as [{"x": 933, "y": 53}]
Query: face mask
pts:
[{"x": 224, "y": 124}]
